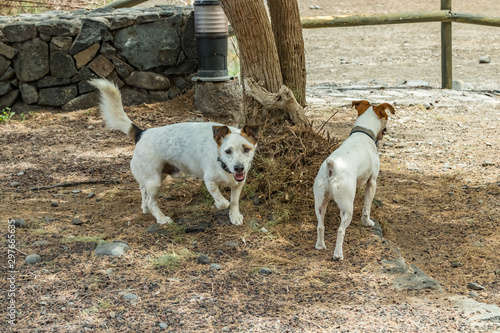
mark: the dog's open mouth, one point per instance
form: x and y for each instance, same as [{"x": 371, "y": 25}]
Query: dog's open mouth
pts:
[{"x": 239, "y": 177}]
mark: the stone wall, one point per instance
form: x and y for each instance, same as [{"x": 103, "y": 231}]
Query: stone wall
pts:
[{"x": 46, "y": 60}]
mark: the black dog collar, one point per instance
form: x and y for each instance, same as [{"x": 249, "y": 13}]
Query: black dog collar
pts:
[
  {"x": 359, "y": 129},
  {"x": 223, "y": 165}
]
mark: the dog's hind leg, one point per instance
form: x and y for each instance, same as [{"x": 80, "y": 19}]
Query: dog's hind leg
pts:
[
  {"x": 346, "y": 208},
  {"x": 152, "y": 188},
  {"x": 234, "y": 206},
  {"x": 320, "y": 205},
  {"x": 144, "y": 194},
  {"x": 371, "y": 186}
]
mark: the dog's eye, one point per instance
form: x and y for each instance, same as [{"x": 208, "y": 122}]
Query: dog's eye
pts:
[
  {"x": 228, "y": 151},
  {"x": 246, "y": 150}
]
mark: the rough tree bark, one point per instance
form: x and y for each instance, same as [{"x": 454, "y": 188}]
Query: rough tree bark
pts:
[{"x": 265, "y": 93}]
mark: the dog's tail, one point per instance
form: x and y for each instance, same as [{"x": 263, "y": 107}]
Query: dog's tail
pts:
[{"x": 112, "y": 109}]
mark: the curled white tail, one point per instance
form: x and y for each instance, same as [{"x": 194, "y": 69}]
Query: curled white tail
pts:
[{"x": 112, "y": 107}]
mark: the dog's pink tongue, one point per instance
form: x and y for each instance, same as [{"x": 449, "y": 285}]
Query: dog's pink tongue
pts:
[{"x": 239, "y": 176}]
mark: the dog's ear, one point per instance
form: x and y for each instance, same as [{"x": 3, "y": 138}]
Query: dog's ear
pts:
[
  {"x": 250, "y": 133},
  {"x": 220, "y": 133},
  {"x": 380, "y": 110},
  {"x": 361, "y": 106}
]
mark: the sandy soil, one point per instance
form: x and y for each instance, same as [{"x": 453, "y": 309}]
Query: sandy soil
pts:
[{"x": 437, "y": 202}]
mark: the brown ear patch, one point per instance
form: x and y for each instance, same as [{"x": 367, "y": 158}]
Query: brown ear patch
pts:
[
  {"x": 250, "y": 132},
  {"x": 361, "y": 106},
  {"x": 380, "y": 110},
  {"x": 220, "y": 132}
]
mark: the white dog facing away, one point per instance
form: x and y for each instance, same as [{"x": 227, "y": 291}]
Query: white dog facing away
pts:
[
  {"x": 218, "y": 154},
  {"x": 352, "y": 165}
]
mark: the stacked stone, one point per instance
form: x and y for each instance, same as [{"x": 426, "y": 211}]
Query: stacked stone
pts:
[{"x": 46, "y": 60}]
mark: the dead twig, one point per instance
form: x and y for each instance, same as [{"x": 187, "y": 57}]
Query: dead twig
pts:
[{"x": 70, "y": 184}]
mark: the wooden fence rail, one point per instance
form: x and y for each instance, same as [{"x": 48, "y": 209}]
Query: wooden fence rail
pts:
[{"x": 446, "y": 16}]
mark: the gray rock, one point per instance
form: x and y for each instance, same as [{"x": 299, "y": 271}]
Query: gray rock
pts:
[
  {"x": 122, "y": 68},
  {"x": 130, "y": 297},
  {"x": 21, "y": 173},
  {"x": 57, "y": 96},
  {"x": 473, "y": 294},
  {"x": 54, "y": 204},
  {"x": 188, "y": 42},
  {"x": 133, "y": 97},
  {"x": 10, "y": 73},
  {"x": 108, "y": 51},
  {"x": 163, "y": 326},
  {"x": 58, "y": 27},
  {"x": 458, "y": 85},
  {"x": 222, "y": 217},
  {"x": 7, "y": 51},
  {"x": 84, "y": 57},
  {"x": 147, "y": 80},
  {"x": 50, "y": 81},
  {"x": 28, "y": 92},
  {"x": 158, "y": 50},
  {"x": 147, "y": 18},
  {"x": 485, "y": 59},
  {"x": 83, "y": 74},
  {"x": 215, "y": 267},
  {"x": 40, "y": 243},
  {"x": 19, "y": 222},
  {"x": 4, "y": 65},
  {"x": 474, "y": 286},
  {"x": 185, "y": 67},
  {"x": 14, "y": 184},
  {"x": 90, "y": 33},
  {"x": 115, "y": 248},
  {"x": 33, "y": 259},
  {"x": 203, "y": 259},
  {"x": 90, "y": 195},
  {"x": 121, "y": 21},
  {"x": 265, "y": 271},
  {"x": 413, "y": 278},
  {"x": 159, "y": 95},
  {"x": 32, "y": 61},
  {"x": 82, "y": 102},
  {"x": 19, "y": 31},
  {"x": 232, "y": 244},
  {"x": 61, "y": 63},
  {"x": 76, "y": 221},
  {"x": 8, "y": 99},
  {"x": 5, "y": 88},
  {"x": 200, "y": 227},
  {"x": 63, "y": 42}
]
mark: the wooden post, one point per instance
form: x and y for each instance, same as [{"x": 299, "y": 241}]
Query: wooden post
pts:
[{"x": 446, "y": 49}]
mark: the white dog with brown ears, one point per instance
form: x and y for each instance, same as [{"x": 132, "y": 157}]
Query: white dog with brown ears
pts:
[
  {"x": 352, "y": 165},
  {"x": 218, "y": 154}
]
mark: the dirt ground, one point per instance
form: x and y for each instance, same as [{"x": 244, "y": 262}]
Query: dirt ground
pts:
[{"x": 437, "y": 202}]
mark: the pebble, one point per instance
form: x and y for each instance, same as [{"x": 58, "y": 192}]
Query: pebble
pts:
[
  {"x": 115, "y": 248},
  {"x": 473, "y": 294},
  {"x": 263, "y": 229},
  {"x": 15, "y": 184},
  {"x": 203, "y": 259},
  {"x": 225, "y": 329},
  {"x": 163, "y": 326},
  {"x": 40, "y": 243},
  {"x": 474, "y": 286},
  {"x": 76, "y": 191},
  {"x": 33, "y": 259},
  {"x": 131, "y": 297},
  {"x": 112, "y": 314},
  {"x": 90, "y": 195},
  {"x": 265, "y": 271},
  {"x": 76, "y": 221},
  {"x": 485, "y": 59},
  {"x": 232, "y": 244},
  {"x": 54, "y": 204},
  {"x": 215, "y": 267},
  {"x": 20, "y": 173},
  {"x": 19, "y": 222}
]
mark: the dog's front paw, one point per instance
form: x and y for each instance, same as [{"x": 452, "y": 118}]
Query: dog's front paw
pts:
[
  {"x": 338, "y": 255},
  {"x": 320, "y": 246},
  {"x": 165, "y": 220},
  {"x": 145, "y": 210},
  {"x": 222, "y": 204},
  {"x": 236, "y": 218}
]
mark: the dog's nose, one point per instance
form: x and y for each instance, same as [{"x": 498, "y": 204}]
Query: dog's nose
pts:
[{"x": 238, "y": 168}]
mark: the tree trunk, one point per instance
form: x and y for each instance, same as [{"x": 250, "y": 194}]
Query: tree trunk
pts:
[
  {"x": 287, "y": 30},
  {"x": 260, "y": 62}
]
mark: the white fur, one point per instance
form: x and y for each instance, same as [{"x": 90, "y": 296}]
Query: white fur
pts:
[
  {"x": 188, "y": 148},
  {"x": 353, "y": 164}
]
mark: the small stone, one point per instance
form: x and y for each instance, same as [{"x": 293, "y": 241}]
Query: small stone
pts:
[
  {"x": 215, "y": 267},
  {"x": 225, "y": 329},
  {"x": 497, "y": 271},
  {"x": 90, "y": 195},
  {"x": 90, "y": 127},
  {"x": 485, "y": 59},
  {"x": 112, "y": 314},
  {"x": 473, "y": 294},
  {"x": 20, "y": 173},
  {"x": 427, "y": 106},
  {"x": 265, "y": 271},
  {"x": 76, "y": 191},
  {"x": 49, "y": 219},
  {"x": 203, "y": 259},
  {"x": 54, "y": 204},
  {"x": 263, "y": 229},
  {"x": 474, "y": 286},
  {"x": 40, "y": 243},
  {"x": 15, "y": 184},
  {"x": 162, "y": 326},
  {"x": 33, "y": 259},
  {"x": 116, "y": 248},
  {"x": 76, "y": 221},
  {"x": 456, "y": 264},
  {"x": 131, "y": 297},
  {"x": 232, "y": 244},
  {"x": 18, "y": 222}
]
